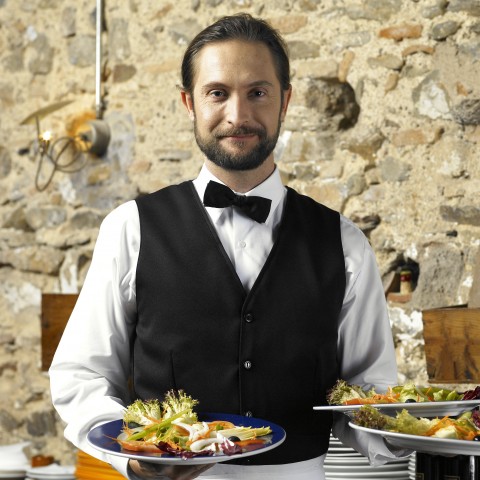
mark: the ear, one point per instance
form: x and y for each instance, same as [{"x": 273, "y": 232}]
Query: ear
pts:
[
  {"x": 187, "y": 100},
  {"x": 287, "y": 94}
]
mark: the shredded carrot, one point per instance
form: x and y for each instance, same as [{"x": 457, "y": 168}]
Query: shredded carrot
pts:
[
  {"x": 430, "y": 397},
  {"x": 212, "y": 426},
  {"x": 252, "y": 441},
  {"x": 138, "y": 446},
  {"x": 462, "y": 433},
  {"x": 372, "y": 400},
  {"x": 220, "y": 423},
  {"x": 465, "y": 434},
  {"x": 181, "y": 431},
  {"x": 355, "y": 401},
  {"x": 444, "y": 422}
]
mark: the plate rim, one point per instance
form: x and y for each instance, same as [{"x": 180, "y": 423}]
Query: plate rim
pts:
[
  {"x": 369, "y": 475},
  {"x": 440, "y": 407},
  {"x": 277, "y": 431},
  {"x": 14, "y": 468},
  {"x": 53, "y": 470},
  {"x": 433, "y": 444},
  {"x": 45, "y": 476}
]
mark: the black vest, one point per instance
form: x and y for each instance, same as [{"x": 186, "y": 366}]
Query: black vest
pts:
[{"x": 271, "y": 353}]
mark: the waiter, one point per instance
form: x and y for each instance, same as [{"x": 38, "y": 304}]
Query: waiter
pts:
[{"x": 252, "y": 298}]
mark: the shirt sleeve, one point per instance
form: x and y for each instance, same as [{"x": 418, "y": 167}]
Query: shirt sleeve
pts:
[
  {"x": 365, "y": 341},
  {"x": 89, "y": 372}
]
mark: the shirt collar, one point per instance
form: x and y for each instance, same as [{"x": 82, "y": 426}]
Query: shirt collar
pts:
[{"x": 271, "y": 188}]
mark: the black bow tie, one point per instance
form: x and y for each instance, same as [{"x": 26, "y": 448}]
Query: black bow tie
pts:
[{"x": 220, "y": 196}]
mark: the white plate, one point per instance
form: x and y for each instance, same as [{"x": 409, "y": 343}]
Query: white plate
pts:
[
  {"x": 426, "y": 444},
  {"x": 366, "y": 468},
  {"x": 48, "y": 476},
  {"x": 331, "y": 461},
  {"x": 102, "y": 438},
  {"x": 52, "y": 472},
  {"x": 417, "y": 409},
  {"x": 40, "y": 476},
  {"x": 51, "y": 477},
  {"x": 369, "y": 475},
  {"x": 340, "y": 451},
  {"x": 344, "y": 455},
  {"x": 12, "y": 475},
  {"x": 14, "y": 468}
]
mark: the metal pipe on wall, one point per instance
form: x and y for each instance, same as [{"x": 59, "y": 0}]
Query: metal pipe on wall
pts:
[{"x": 98, "y": 61}]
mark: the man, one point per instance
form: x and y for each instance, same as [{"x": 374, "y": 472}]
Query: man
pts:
[{"x": 256, "y": 316}]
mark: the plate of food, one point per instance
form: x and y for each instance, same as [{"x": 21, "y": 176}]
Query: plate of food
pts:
[
  {"x": 171, "y": 432},
  {"x": 445, "y": 435},
  {"x": 432, "y": 445},
  {"x": 432, "y": 409},
  {"x": 422, "y": 401}
]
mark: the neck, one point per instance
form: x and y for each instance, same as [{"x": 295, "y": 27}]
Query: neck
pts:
[{"x": 242, "y": 181}]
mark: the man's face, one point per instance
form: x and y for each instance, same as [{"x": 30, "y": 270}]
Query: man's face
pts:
[{"x": 237, "y": 104}]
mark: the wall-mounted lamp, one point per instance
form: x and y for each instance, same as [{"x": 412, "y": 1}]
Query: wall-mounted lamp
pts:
[
  {"x": 90, "y": 134},
  {"x": 94, "y": 136},
  {"x": 67, "y": 153}
]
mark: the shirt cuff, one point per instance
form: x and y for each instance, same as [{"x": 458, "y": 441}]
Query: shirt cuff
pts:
[
  {"x": 374, "y": 447},
  {"x": 120, "y": 464}
]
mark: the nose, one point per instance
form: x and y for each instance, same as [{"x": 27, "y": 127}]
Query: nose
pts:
[{"x": 238, "y": 111}]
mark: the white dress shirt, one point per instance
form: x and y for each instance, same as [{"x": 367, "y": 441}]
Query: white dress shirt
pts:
[{"x": 89, "y": 371}]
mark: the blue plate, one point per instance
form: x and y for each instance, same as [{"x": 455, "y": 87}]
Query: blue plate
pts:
[{"x": 103, "y": 438}]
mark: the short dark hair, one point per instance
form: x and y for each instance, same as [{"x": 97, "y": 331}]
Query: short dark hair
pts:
[{"x": 241, "y": 26}]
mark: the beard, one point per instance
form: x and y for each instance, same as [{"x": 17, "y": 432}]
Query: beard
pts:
[{"x": 242, "y": 161}]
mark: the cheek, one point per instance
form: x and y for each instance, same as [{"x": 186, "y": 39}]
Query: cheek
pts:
[
  {"x": 270, "y": 120},
  {"x": 207, "y": 116}
]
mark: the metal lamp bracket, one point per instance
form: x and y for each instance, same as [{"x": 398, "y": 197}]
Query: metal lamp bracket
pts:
[{"x": 96, "y": 136}]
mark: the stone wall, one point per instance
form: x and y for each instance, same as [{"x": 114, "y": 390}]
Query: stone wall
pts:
[{"x": 383, "y": 126}]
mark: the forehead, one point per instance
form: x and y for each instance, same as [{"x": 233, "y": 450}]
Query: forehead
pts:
[{"x": 234, "y": 61}]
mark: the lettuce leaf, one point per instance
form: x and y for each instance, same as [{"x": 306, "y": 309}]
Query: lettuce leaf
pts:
[
  {"x": 342, "y": 392},
  {"x": 368, "y": 416},
  {"x": 407, "y": 423},
  {"x": 410, "y": 392}
]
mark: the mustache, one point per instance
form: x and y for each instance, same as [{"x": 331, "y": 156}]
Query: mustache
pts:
[{"x": 234, "y": 132}]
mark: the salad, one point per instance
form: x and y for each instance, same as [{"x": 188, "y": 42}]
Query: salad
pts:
[
  {"x": 464, "y": 427},
  {"x": 344, "y": 393},
  {"x": 172, "y": 427}
]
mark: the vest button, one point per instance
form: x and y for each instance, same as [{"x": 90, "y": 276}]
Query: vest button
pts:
[
  {"x": 249, "y": 318},
  {"x": 247, "y": 364}
]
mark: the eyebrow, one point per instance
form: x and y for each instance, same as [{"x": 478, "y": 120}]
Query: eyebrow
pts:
[{"x": 213, "y": 85}]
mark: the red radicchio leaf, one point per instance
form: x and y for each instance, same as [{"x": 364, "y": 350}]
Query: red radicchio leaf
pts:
[
  {"x": 476, "y": 418},
  {"x": 472, "y": 394},
  {"x": 230, "y": 448},
  {"x": 178, "y": 452}
]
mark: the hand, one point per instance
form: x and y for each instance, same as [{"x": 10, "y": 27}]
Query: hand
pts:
[{"x": 155, "y": 471}]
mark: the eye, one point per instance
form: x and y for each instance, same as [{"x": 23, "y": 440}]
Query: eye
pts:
[
  {"x": 258, "y": 93},
  {"x": 216, "y": 94}
]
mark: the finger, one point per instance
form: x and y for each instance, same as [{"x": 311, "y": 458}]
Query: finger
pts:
[
  {"x": 203, "y": 468},
  {"x": 183, "y": 472},
  {"x": 153, "y": 471}
]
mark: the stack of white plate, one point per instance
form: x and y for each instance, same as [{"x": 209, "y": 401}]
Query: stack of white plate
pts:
[
  {"x": 14, "y": 460},
  {"x": 412, "y": 468},
  {"x": 51, "y": 472},
  {"x": 344, "y": 463},
  {"x": 12, "y": 472}
]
